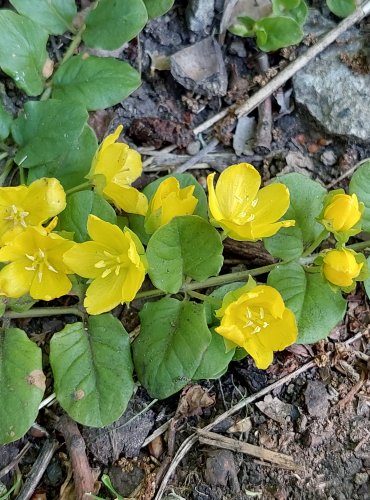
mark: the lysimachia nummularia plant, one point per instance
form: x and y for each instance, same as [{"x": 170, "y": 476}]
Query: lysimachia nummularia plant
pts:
[{"x": 97, "y": 242}]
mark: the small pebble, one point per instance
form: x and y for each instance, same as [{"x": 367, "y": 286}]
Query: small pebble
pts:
[
  {"x": 361, "y": 478},
  {"x": 328, "y": 158},
  {"x": 237, "y": 48},
  {"x": 193, "y": 148}
]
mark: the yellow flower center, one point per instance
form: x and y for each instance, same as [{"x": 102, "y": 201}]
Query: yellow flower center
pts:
[
  {"x": 17, "y": 216},
  {"x": 256, "y": 319},
  {"x": 38, "y": 262},
  {"x": 111, "y": 263}
]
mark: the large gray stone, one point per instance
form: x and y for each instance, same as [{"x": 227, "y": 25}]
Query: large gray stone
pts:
[
  {"x": 336, "y": 96},
  {"x": 199, "y": 15}
]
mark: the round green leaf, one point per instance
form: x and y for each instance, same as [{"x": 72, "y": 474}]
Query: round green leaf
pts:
[
  {"x": 92, "y": 370},
  {"x": 341, "y": 8},
  {"x": 360, "y": 184},
  {"x": 79, "y": 206},
  {"x": 167, "y": 352},
  {"x": 137, "y": 221},
  {"x": 367, "y": 282},
  {"x": 157, "y": 8},
  {"x": 23, "y": 51},
  {"x": 22, "y": 384},
  {"x": 306, "y": 201},
  {"x": 55, "y": 16},
  {"x": 215, "y": 359},
  {"x": 73, "y": 165},
  {"x": 186, "y": 246},
  {"x": 219, "y": 294},
  {"x": 46, "y": 130},
  {"x": 316, "y": 306},
  {"x": 276, "y": 32},
  {"x": 111, "y": 24},
  {"x": 95, "y": 82},
  {"x": 5, "y": 122},
  {"x": 296, "y": 9}
]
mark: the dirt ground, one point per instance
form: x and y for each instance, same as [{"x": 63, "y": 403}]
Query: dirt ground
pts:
[{"x": 319, "y": 418}]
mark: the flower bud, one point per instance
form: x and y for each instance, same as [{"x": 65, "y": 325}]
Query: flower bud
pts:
[
  {"x": 341, "y": 268},
  {"x": 342, "y": 213}
]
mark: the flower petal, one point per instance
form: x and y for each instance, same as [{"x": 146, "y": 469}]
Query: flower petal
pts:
[
  {"x": 45, "y": 199},
  {"x": 106, "y": 234},
  {"x": 51, "y": 285},
  {"x": 130, "y": 170},
  {"x": 127, "y": 198},
  {"x": 81, "y": 259},
  {"x": 236, "y": 189},
  {"x": 104, "y": 294},
  {"x": 15, "y": 279},
  {"x": 273, "y": 202},
  {"x": 214, "y": 207}
]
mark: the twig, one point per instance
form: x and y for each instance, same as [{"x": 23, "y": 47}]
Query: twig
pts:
[
  {"x": 289, "y": 71},
  {"x": 83, "y": 479},
  {"x": 346, "y": 174},
  {"x": 15, "y": 461},
  {"x": 193, "y": 438},
  {"x": 196, "y": 158},
  {"x": 214, "y": 439},
  {"x": 158, "y": 432},
  {"x": 38, "y": 469},
  {"x": 264, "y": 134},
  {"x": 351, "y": 394}
]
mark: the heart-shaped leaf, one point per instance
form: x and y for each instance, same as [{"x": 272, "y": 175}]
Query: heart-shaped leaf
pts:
[
  {"x": 306, "y": 201},
  {"x": 157, "y": 8},
  {"x": 173, "y": 337},
  {"x": 55, "y": 16},
  {"x": 276, "y": 32},
  {"x": 341, "y": 8},
  {"x": 92, "y": 370},
  {"x": 186, "y": 246},
  {"x": 22, "y": 384},
  {"x": 360, "y": 184},
  {"x": 95, "y": 82},
  {"x": 215, "y": 359},
  {"x": 5, "y": 122},
  {"x": 23, "y": 51},
  {"x": 111, "y": 24},
  {"x": 316, "y": 306}
]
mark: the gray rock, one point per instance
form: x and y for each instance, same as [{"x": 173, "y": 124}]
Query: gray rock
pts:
[
  {"x": 316, "y": 397},
  {"x": 199, "y": 15},
  {"x": 336, "y": 96},
  {"x": 201, "y": 68},
  {"x": 237, "y": 47},
  {"x": 316, "y": 24}
]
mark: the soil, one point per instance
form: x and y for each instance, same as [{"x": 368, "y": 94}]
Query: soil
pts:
[{"x": 319, "y": 418}]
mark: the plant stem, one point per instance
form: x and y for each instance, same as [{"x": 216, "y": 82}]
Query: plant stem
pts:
[
  {"x": 204, "y": 298},
  {"x": 321, "y": 237},
  {"x": 41, "y": 312},
  {"x": 362, "y": 245},
  {"x": 46, "y": 94},
  {"x": 76, "y": 40},
  {"x": 80, "y": 187},
  {"x": 22, "y": 176},
  {"x": 7, "y": 169},
  {"x": 3, "y": 155}
]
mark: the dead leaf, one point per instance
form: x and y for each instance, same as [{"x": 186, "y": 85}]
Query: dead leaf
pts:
[
  {"x": 192, "y": 401},
  {"x": 244, "y": 425},
  {"x": 275, "y": 409},
  {"x": 37, "y": 378}
]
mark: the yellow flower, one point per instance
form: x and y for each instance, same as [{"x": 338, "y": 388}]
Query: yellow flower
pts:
[
  {"x": 255, "y": 318},
  {"x": 115, "y": 262},
  {"x": 114, "y": 168},
  {"x": 32, "y": 205},
  {"x": 342, "y": 267},
  {"x": 169, "y": 201},
  {"x": 36, "y": 265},
  {"x": 341, "y": 212},
  {"x": 242, "y": 210}
]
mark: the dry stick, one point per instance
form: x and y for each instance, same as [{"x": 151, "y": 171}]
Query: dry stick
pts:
[
  {"x": 289, "y": 71},
  {"x": 38, "y": 469},
  {"x": 15, "y": 461},
  {"x": 83, "y": 479},
  {"x": 347, "y": 174},
  {"x": 264, "y": 134},
  {"x": 191, "y": 440},
  {"x": 214, "y": 439},
  {"x": 196, "y": 158}
]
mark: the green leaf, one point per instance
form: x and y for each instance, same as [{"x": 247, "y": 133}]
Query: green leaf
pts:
[
  {"x": 296, "y": 9},
  {"x": 367, "y": 282},
  {"x": 46, "y": 130},
  {"x": 23, "y": 51},
  {"x": 276, "y": 32},
  {"x": 244, "y": 26},
  {"x": 73, "y": 164},
  {"x": 22, "y": 304},
  {"x": 219, "y": 294},
  {"x": 55, "y": 16},
  {"x": 79, "y": 206},
  {"x": 111, "y": 24},
  {"x": 157, "y": 8},
  {"x": 92, "y": 370},
  {"x": 5, "y": 122},
  {"x": 186, "y": 246},
  {"x": 169, "y": 348},
  {"x": 95, "y": 82},
  {"x": 341, "y": 8},
  {"x": 306, "y": 201},
  {"x": 137, "y": 221},
  {"x": 22, "y": 384},
  {"x": 215, "y": 359},
  {"x": 316, "y": 306},
  {"x": 360, "y": 185}
]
